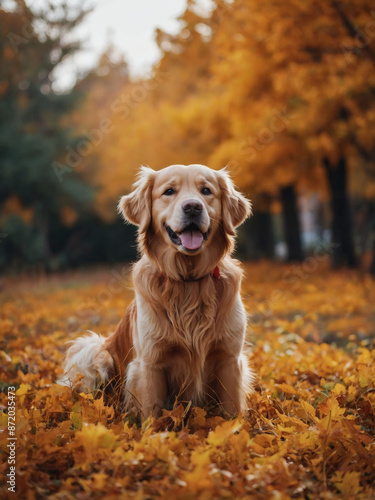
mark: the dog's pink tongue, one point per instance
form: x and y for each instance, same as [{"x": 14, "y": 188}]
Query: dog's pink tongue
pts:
[{"x": 192, "y": 240}]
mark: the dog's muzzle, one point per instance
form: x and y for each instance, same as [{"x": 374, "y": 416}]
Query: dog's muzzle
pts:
[{"x": 191, "y": 238}]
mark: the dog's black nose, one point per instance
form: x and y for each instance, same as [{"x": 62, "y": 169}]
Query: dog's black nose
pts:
[{"x": 192, "y": 207}]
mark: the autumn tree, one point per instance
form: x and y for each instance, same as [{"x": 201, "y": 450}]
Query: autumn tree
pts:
[
  {"x": 94, "y": 121},
  {"x": 315, "y": 63},
  {"x": 283, "y": 96},
  {"x": 151, "y": 117},
  {"x": 286, "y": 101}
]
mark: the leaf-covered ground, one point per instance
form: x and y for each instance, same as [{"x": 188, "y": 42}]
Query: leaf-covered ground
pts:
[{"x": 309, "y": 433}]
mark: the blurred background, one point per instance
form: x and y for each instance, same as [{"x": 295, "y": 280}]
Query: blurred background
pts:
[{"x": 280, "y": 92}]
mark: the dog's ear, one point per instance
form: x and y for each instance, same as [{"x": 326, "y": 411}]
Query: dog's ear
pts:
[
  {"x": 235, "y": 207},
  {"x": 136, "y": 206}
]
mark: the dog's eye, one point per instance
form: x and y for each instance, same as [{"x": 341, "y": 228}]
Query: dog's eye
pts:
[
  {"x": 169, "y": 192},
  {"x": 206, "y": 191}
]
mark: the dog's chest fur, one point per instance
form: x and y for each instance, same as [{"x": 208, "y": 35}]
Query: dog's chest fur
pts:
[
  {"x": 191, "y": 309},
  {"x": 185, "y": 314}
]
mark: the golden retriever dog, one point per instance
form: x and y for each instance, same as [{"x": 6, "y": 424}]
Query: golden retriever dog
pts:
[{"x": 182, "y": 338}]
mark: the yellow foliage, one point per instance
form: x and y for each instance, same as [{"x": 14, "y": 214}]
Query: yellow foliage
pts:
[{"x": 310, "y": 427}]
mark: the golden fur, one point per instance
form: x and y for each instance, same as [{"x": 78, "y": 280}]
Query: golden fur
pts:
[{"x": 183, "y": 335}]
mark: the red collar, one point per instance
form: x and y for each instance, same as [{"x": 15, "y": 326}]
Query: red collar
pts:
[{"x": 215, "y": 274}]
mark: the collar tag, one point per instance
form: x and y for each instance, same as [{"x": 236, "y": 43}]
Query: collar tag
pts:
[{"x": 216, "y": 273}]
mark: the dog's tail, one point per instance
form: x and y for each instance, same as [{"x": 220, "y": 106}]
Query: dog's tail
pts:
[{"x": 88, "y": 365}]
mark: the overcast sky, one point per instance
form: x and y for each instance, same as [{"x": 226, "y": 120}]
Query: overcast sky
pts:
[{"x": 130, "y": 26}]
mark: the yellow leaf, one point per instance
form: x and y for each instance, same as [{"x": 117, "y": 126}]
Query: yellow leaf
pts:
[
  {"x": 76, "y": 418},
  {"x": 363, "y": 381},
  {"x": 264, "y": 440},
  {"x": 22, "y": 391},
  {"x": 308, "y": 408},
  {"x": 93, "y": 437},
  {"x": 352, "y": 392},
  {"x": 197, "y": 418},
  {"x": 222, "y": 432},
  {"x": 3, "y": 419},
  {"x": 85, "y": 395},
  {"x": 198, "y": 478},
  {"x": 338, "y": 389},
  {"x": 286, "y": 388},
  {"x": 292, "y": 422},
  {"x": 287, "y": 430},
  {"x": 349, "y": 485},
  {"x": 332, "y": 408},
  {"x": 257, "y": 448}
]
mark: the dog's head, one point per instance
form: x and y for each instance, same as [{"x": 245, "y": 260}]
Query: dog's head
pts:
[{"x": 184, "y": 209}]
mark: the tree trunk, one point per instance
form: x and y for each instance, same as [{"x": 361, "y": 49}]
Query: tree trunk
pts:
[
  {"x": 259, "y": 239},
  {"x": 342, "y": 233},
  {"x": 292, "y": 228},
  {"x": 372, "y": 267},
  {"x": 372, "y": 233},
  {"x": 43, "y": 255}
]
